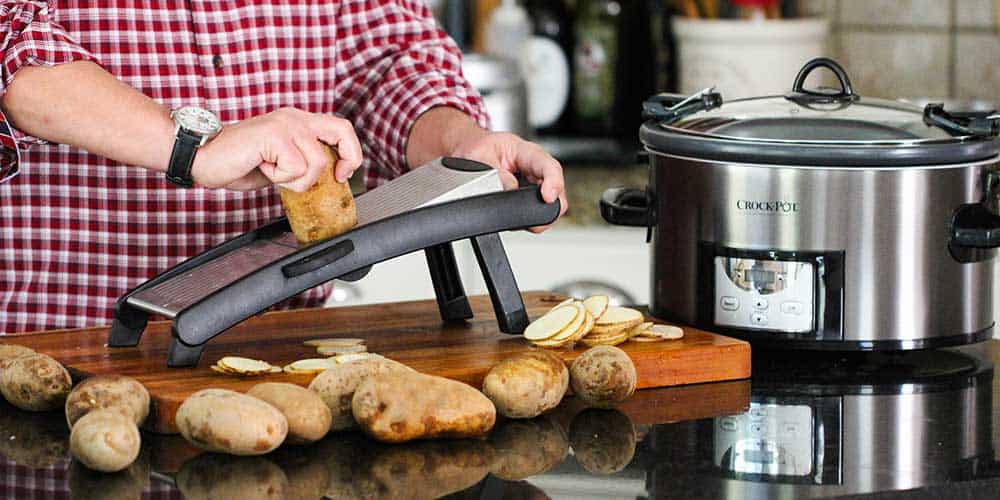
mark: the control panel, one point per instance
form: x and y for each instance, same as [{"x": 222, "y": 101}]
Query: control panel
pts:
[{"x": 765, "y": 294}]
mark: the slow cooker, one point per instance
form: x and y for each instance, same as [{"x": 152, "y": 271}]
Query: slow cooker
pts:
[{"x": 819, "y": 219}]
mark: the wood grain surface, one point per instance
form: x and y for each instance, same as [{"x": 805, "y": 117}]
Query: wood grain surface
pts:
[{"x": 409, "y": 332}]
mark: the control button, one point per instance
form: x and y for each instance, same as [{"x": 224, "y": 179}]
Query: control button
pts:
[
  {"x": 795, "y": 308},
  {"x": 758, "y": 319},
  {"x": 728, "y": 424},
  {"x": 760, "y": 304},
  {"x": 730, "y": 303}
]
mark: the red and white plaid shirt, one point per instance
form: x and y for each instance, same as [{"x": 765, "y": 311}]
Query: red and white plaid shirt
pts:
[{"x": 77, "y": 230}]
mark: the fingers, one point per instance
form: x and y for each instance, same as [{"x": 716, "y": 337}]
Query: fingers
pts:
[
  {"x": 251, "y": 182},
  {"x": 536, "y": 164},
  {"x": 296, "y": 157},
  {"x": 285, "y": 165},
  {"x": 339, "y": 133}
]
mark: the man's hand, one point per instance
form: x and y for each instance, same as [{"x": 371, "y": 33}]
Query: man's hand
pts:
[
  {"x": 508, "y": 153},
  {"x": 282, "y": 147}
]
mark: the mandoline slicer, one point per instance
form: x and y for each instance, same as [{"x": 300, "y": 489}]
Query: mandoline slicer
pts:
[{"x": 426, "y": 209}]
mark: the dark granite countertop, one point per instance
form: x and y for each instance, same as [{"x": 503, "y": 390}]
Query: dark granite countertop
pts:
[{"x": 924, "y": 425}]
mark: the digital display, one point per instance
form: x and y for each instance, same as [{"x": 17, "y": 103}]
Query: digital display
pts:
[
  {"x": 758, "y": 457},
  {"x": 761, "y": 277}
]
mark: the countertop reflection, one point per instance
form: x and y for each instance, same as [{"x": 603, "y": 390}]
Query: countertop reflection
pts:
[{"x": 807, "y": 426}]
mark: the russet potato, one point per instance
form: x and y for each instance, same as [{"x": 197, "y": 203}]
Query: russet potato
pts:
[
  {"x": 231, "y": 422},
  {"x": 399, "y": 407},
  {"x": 527, "y": 384}
]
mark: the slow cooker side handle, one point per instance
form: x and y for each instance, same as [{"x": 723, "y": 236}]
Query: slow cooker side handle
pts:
[
  {"x": 627, "y": 207},
  {"x": 977, "y": 225}
]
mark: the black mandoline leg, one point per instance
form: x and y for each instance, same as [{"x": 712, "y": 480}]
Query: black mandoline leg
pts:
[
  {"x": 182, "y": 356},
  {"x": 448, "y": 287},
  {"x": 127, "y": 328},
  {"x": 500, "y": 281}
]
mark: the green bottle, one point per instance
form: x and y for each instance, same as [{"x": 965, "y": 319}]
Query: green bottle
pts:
[{"x": 595, "y": 60}]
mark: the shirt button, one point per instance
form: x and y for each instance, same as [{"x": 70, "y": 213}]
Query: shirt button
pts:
[{"x": 217, "y": 61}]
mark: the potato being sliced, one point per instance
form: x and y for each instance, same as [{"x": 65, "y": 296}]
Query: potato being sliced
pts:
[
  {"x": 335, "y": 350},
  {"x": 551, "y": 323},
  {"x": 334, "y": 342},
  {"x": 620, "y": 315},
  {"x": 597, "y": 305},
  {"x": 665, "y": 332}
]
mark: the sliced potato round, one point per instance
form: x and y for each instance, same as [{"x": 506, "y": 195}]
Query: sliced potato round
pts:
[
  {"x": 312, "y": 365},
  {"x": 641, "y": 338},
  {"x": 563, "y": 303},
  {"x": 665, "y": 332},
  {"x": 609, "y": 329},
  {"x": 551, "y": 323},
  {"x": 334, "y": 342},
  {"x": 352, "y": 357},
  {"x": 606, "y": 340},
  {"x": 244, "y": 366},
  {"x": 573, "y": 326},
  {"x": 585, "y": 328},
  {"x": 640, "y": 329},
  {"x": 620, "y": 315},
  {"x": 597, "y": 305},
  {"x": 335, "y": 350}
]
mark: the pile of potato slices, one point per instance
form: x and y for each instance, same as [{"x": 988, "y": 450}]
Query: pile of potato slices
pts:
[{"x": 595, "y": 322}]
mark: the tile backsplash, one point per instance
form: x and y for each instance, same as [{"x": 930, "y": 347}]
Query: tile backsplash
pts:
[{"x": 916, "y": 48}]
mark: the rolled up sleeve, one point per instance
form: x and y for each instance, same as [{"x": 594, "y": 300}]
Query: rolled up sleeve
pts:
[
  {"x": 394, "y": 64},
  {"x": 30, "y": 36}
]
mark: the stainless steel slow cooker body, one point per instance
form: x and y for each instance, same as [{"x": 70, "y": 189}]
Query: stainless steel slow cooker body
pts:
[
  {"x": 819, "y": 219},
  {"x": 860, "y": 258}
]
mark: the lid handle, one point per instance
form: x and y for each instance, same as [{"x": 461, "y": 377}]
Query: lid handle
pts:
[
  {"x": 800, "y": 93},
  {"x": 668, "y": 108},
  {"x": 965, "y": 123}
]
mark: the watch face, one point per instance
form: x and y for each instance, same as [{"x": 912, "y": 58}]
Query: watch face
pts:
[{"x": 198, "y": 120}]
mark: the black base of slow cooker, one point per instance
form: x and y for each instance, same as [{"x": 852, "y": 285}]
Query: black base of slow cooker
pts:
[{"x": 769, "y": 341}]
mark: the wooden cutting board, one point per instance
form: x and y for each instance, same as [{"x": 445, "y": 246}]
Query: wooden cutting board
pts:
[{"x": 409, "y": 332}]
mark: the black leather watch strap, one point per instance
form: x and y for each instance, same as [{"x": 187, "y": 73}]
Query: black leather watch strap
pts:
[{"x": 182, "y": 157}]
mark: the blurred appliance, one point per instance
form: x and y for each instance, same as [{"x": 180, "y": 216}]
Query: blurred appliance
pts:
[{"x": 504, "y": 92}]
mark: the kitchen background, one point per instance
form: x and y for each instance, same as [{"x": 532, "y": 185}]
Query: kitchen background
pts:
[{"x": 588, "y": 64}]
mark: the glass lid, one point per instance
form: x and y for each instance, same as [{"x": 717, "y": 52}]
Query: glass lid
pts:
[
  {"x": 789, "y": 120},
  {"x": 817, "y": 126}
]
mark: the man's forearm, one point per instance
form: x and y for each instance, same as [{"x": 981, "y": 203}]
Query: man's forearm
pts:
[
  {"x": 438, "y": 132},
  {"x": 82, "y": 105}
]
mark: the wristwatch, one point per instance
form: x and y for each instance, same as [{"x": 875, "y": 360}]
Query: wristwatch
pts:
[{"x": 194, "y": 127}]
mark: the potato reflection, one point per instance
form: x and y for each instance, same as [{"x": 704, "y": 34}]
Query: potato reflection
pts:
[
  {"x": 527, "y": 448},
  {"x": 603, "y": 441},
  {"x": 33, "y": 439},
  {"x": 213, "y": 476}
]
